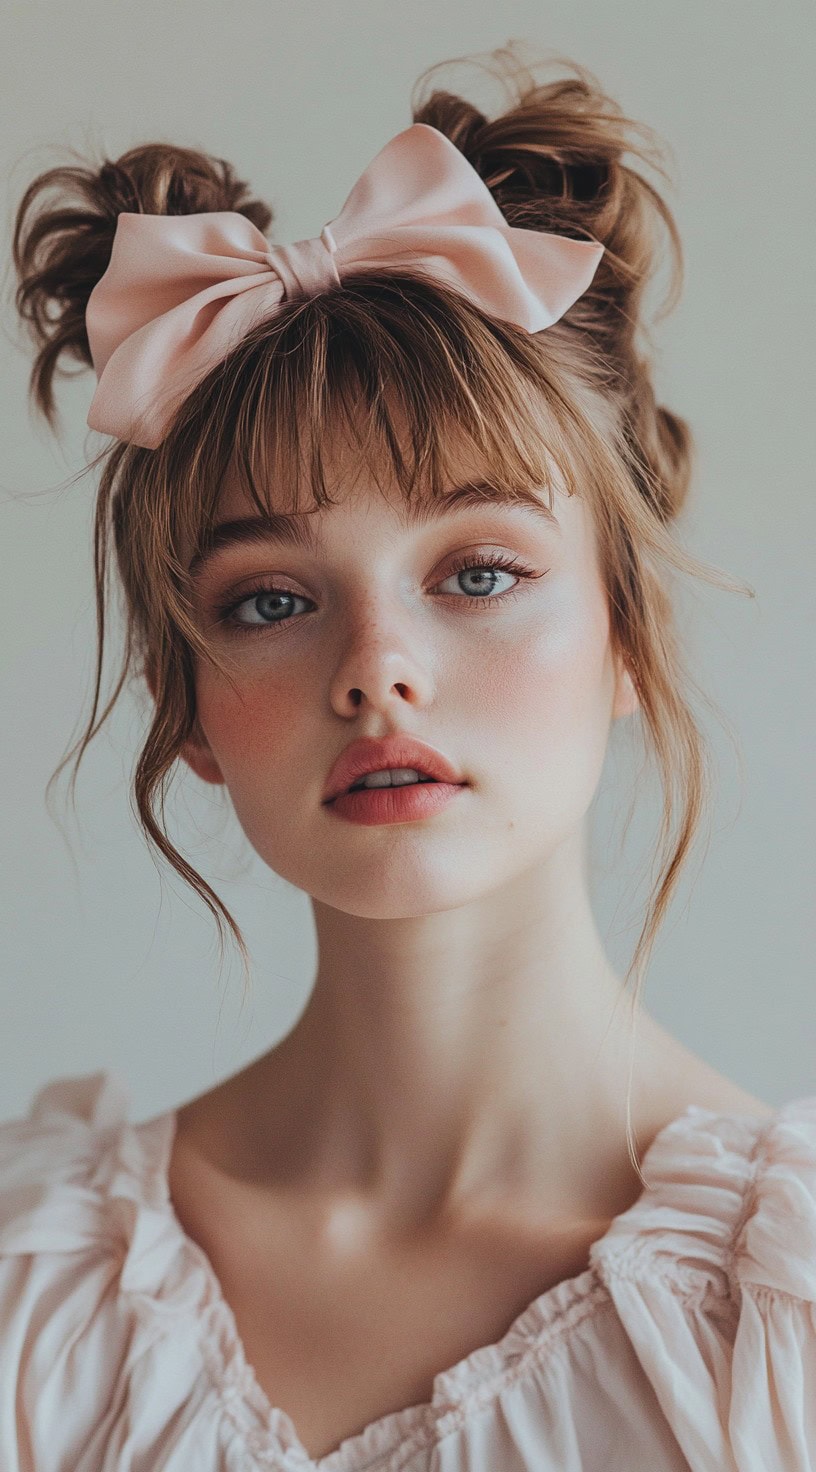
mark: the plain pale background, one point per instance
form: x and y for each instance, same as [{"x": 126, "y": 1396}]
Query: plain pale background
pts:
[{"x": 109, "y": 961}]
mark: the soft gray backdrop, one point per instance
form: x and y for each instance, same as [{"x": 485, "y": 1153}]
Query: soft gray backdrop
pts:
[{"x": 108, "y": 965}]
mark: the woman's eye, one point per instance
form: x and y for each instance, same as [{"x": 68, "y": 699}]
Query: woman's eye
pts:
[
  {"x": 477, "y": 574},
  {"x": 478, "y": 578},
  {"x": 272, "y": 604}
]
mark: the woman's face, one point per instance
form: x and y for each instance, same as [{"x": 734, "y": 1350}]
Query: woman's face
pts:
[{"x": 383, "y": 626}]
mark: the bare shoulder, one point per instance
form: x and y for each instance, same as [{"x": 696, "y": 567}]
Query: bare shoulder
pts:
[
  {"x": 681, "y": 1078},
  {"x": 728, "y": 1098}
]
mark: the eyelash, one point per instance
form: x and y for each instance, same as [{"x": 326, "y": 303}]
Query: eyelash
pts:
[{"x": 225, "y": 611}]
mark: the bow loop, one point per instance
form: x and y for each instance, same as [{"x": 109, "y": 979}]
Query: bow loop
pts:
[{"x": 180, "y": 291}]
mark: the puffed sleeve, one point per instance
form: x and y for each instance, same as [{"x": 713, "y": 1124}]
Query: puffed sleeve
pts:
[
  {"x": 772, "y": 1414},
  {"x": 713, "y": 1274},
  {"x": 59, "y": 1348},
  {"x": 117, "y": 1349}
]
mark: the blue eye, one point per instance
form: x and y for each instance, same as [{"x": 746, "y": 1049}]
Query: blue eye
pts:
[{"x": 225, "y": 613}]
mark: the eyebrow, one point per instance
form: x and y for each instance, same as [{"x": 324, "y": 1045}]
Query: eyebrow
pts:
[{"x": 295, "y": 529}]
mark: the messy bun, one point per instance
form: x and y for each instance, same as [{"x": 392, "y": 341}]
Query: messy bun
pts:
[
  {"x": 63, "y": 238},
  {"x": 426, "y": 365},
  {"x": 554, "y": 162}
]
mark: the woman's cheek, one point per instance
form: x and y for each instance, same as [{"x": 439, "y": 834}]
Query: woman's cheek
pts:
[
  {"x": 248, "y": 726},
  {"x": 555, "y": 647},
  {"x": 551, "y": 687}
]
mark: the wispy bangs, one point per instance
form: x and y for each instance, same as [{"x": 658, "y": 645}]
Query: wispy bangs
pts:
[{"x": 406, "y": 372}]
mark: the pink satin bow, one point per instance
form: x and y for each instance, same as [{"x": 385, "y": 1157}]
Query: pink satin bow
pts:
[{"x": 180, "y": 291}]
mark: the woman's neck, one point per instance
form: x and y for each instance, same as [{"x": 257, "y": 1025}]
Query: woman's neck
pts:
[{"x": 438, "y": 1066}]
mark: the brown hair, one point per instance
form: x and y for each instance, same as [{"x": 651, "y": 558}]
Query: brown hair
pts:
[{"x": 579, "y": 395}]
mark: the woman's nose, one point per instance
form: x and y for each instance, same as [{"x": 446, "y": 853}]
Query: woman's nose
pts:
[{"x": 380, "y": 663}]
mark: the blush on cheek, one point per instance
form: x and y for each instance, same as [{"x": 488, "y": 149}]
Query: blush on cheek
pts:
[{"x": 251, "y": 725}]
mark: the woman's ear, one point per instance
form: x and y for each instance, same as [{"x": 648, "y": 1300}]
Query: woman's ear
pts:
[
  {"x": 627, "y": 700},
  {"x": 197, "y": 754},
  {"x": 196, "y": 751}
]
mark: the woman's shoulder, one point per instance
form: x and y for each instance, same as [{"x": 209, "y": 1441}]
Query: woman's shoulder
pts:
[
  {"x": 102, "y": 1300},
  {"x": 48, "y": 1156},
  {"x": 74, "y": 1169},
  {"x": 58, "y": 1151},
  {"x": 730, "y": 1193},
  {"x": 73, "y": 1103},
  {"x": 713, "y": 1276}
]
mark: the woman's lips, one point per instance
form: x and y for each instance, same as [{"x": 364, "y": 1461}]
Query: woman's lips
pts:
[
  {"x": 393, "y": 752},
  {"x": 401, "y": 804}
]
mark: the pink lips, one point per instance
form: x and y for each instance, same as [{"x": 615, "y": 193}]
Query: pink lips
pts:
[
  {"x": 374, "y": 805},
  {"x": 396, "y": 750}
]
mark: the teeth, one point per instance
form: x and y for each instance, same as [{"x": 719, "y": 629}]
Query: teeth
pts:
[{"x": 393, "y": 777}]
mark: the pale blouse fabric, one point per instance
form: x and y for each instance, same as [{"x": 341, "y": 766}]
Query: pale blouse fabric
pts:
[{"x": 689, "y": 1341}]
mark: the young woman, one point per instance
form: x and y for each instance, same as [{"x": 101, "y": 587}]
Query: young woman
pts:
[{"x": 392, "y": 510}]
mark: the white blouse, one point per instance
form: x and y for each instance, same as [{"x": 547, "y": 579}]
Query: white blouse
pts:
[{"x": 688, "y": 1342}]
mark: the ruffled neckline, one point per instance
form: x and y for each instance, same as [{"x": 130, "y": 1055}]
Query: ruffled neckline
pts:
[
  {"x": 167, "y": 1275},
  {"x": 457, "y": 1391}
]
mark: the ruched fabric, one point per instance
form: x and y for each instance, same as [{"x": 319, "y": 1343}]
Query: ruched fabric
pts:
[{"x": 689, "y": 1341}]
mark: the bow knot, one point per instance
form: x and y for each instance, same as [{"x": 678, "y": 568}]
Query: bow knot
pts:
[{"x": 307, "y": 266}]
